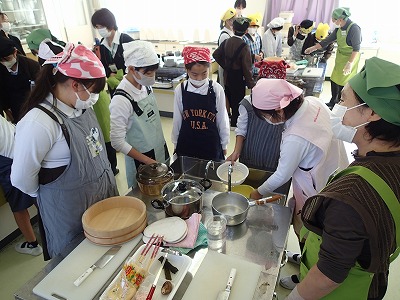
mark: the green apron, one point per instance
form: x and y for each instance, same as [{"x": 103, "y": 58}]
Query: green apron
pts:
[
  {"x": 356, "y": 285},
  {"x": 343, "y": 54}
]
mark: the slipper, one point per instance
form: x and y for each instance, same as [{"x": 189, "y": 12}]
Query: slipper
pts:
[
  {"x": 294, "y": 257},
  {"x": 289, "y": 282}
]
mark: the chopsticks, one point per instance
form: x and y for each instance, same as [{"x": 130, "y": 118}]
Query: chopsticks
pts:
[
  {"x": 155, "y": 240},
  {"x": 155, "y": 251}
]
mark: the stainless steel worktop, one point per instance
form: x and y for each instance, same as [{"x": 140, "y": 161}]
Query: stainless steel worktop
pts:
[{"x": 261, "y": 239}]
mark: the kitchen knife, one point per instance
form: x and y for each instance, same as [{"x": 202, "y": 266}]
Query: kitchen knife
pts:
[
  {"x": 100, "y": 263},
  {"x": 153, "y": 286},
  {"x": 224, "y": 295}
]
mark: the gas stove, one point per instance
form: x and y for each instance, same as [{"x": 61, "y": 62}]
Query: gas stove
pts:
[{"x": 167, "y": 77}]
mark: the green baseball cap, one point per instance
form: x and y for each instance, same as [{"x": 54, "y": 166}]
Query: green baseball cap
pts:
[
  {"x": 341, "y": 13},
  {"x": 378, "y": 85}
]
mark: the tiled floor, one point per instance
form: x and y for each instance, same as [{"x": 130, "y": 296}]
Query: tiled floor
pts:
[{"x": 16, "y": 269}]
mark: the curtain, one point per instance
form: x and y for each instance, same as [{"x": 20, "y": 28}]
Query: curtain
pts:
[{"x": 316, "y": 10}]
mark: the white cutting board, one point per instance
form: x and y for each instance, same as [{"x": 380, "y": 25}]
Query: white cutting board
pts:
[
  {"x": 312, "y": 72},
  {"x": 60, "y": 281},
  {"x": 213, "y": 273}
]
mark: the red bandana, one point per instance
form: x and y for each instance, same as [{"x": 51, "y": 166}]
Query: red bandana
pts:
[
  {"x": 195, "y": 54},
  {"x": 272, "y": 69}
]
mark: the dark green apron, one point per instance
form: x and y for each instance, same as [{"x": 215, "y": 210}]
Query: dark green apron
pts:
[{"x": 356, "y": 285}]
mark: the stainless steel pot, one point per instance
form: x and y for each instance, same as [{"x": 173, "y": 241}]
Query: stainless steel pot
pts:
[
  {"x": 235, "y": 206},
  {"x": 152, "y": 178},
  {"x": 181, "y": 198}
]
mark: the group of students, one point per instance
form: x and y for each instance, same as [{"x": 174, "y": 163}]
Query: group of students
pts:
[{"x": 60, "y": 157}]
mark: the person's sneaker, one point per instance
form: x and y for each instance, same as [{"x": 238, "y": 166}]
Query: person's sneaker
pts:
[
  {"x": 293, "y": 257},
  {"x": 289, "y": 282},
  {"x": 27, "y": 248}
]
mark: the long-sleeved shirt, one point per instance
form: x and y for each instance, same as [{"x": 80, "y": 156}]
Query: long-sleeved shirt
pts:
[
  {"x": 311, "y": 41},
  {"x": 353, "y": 38},
  {"x": 272, "y": 44},
  {"x": 295, "y": 152},
  {"x": 39, "y": 142},
  {"x": 222, "y": 120},
  {"x": 122, "y": 115},
  {"x": 243, "y": 61}
]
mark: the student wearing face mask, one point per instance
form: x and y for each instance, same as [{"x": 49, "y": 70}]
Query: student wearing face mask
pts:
[
  {"x": 111, "y": 48},
  {"x": 201, "y": 123},
  {"x": 297, "y": 35},
  {"x": 5, "y": 29},
  {"x": 253, "y": 39},
  {"x": 319, "y": 35},
  {"x": 17, "y": 73},
  {"x": 59, "y": 152},
  {"x": 347, "y": 35},
  {"x": 353, "y": 224},
  {"x": 135, "y": 120},
  {"x": 272, "y": 38}
]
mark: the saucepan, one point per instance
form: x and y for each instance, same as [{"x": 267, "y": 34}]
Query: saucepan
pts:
[
  {"x": 181, "y": 198},
  {"x": 235, "y": 206}
]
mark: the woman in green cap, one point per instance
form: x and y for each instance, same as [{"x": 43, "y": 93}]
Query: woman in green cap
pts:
[
  {"x": 348, "y": 38},
  {"x": 348, "y": 257}
]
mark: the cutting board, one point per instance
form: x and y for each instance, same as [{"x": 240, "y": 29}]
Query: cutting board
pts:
[
  {"x": 60, "y": 281},
  {"x": 312, "y": 72},
  {"x": 213, "y": 273}
]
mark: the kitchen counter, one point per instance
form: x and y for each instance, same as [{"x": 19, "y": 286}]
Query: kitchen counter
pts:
[
  {"x": 313, "y": 86},
  {"x": 261, "y": 239}
]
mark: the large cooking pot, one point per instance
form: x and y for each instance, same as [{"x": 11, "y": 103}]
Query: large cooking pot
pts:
[
  {"x": 235, "y": 206},
  {"x": 152, "y": 178},
  {"x": 181, "y": 198}
]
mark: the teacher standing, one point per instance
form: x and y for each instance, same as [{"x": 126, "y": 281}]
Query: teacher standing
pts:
[{"x": 348, "y": 37}]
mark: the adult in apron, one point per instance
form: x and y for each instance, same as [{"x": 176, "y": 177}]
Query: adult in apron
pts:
[
  {"x": 199, "y": 136},
  {"x": 87, "y": 179},
  {"x": 356, "y": 285},
  {"x": 352, "y": 259},
  {"x": 343, "y": 54},
  {"x": 145, "y": 134}
]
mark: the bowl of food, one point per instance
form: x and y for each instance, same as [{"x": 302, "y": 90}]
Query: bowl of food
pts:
[{"x": 239, "y": 173}]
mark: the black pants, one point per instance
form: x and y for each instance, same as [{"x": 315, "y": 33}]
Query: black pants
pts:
[
  {"x": 112, "y": 156},
  {"x": 336, "y": 91}
]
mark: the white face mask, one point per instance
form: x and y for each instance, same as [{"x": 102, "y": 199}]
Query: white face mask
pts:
[
  {"x": 9, "y": 63},
  {"x": 252, "y": 30},
  {"x": 340, "y": 131},
  {"x": 145, "y": 80},
  {"x": 272, "y": 123},
  {"x": 6, "y": 27},
  {"x": 85, "y": 104},
  {"x": 198, "y": 83},
  {"x": 103, "y": 32},
  {"x": 337, "y": 24}
]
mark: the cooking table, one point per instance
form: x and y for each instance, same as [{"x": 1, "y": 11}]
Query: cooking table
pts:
[
  {"x": 261, "y": 239},
  {"x": 313, "y": 85}
]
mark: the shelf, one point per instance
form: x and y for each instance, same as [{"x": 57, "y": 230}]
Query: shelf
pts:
[
  {"x": 28, "y": 26},
  {"x": 20, "y": 10}
]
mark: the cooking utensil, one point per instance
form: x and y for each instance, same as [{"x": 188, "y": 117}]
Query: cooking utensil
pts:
[
  {"x": 224, "y": 295},
  {"x": 100, "y": 263},
  {"x": 152, "y": 178},
  {"x": 181, "y": 198},
  {"x": 238, "y": 175},
  {"x": 205, "y": 182},
  {"x": 153, "y": 286},
  {"x": 235, "y": 206}
]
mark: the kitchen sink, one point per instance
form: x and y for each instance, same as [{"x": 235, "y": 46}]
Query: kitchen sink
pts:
[{"x": 193, "y": 168}]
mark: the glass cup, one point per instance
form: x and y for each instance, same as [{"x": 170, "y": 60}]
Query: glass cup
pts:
[{"x": 216, "y": 232}]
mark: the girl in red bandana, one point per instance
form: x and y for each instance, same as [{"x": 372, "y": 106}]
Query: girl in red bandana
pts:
[{"x": 201, "y": 123}]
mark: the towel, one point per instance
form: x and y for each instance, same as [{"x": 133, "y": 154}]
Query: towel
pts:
[
  {"x": 200, "y": 241},
  {"x": 193, "y": 230}
]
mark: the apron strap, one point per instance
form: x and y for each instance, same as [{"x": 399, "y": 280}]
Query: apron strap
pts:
[
  {"x": 135, "y": 106},
  {"x": 60, "y": 122},
  {"x": 385, "y": 192}
]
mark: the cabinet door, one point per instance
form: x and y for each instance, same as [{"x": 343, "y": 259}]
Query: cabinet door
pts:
[
  {"x": 160, "y": 48},
  {"x": 173, "y": 47}
]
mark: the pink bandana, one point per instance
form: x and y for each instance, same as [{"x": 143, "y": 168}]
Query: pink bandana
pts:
[
  {"x": 77, "y": 62},
  {"x": 272, "y": 93},
  {"x": 272, "y": 69},
  {"x": 194, "y": 54}
]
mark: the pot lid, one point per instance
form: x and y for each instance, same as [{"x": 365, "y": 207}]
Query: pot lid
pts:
[
  {"x": 186, "y": 187},
  {"x": 153, "y": 171}
]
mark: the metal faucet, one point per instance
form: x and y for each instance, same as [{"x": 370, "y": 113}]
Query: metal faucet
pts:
[
  {"x": 210, "y": 163},
  {"x": 230, "y": 170}
]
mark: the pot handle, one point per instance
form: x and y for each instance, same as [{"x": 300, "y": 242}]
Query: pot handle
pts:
[
  {"x": 159, "y": 204},
  {"x": 265, "y": 200}
]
